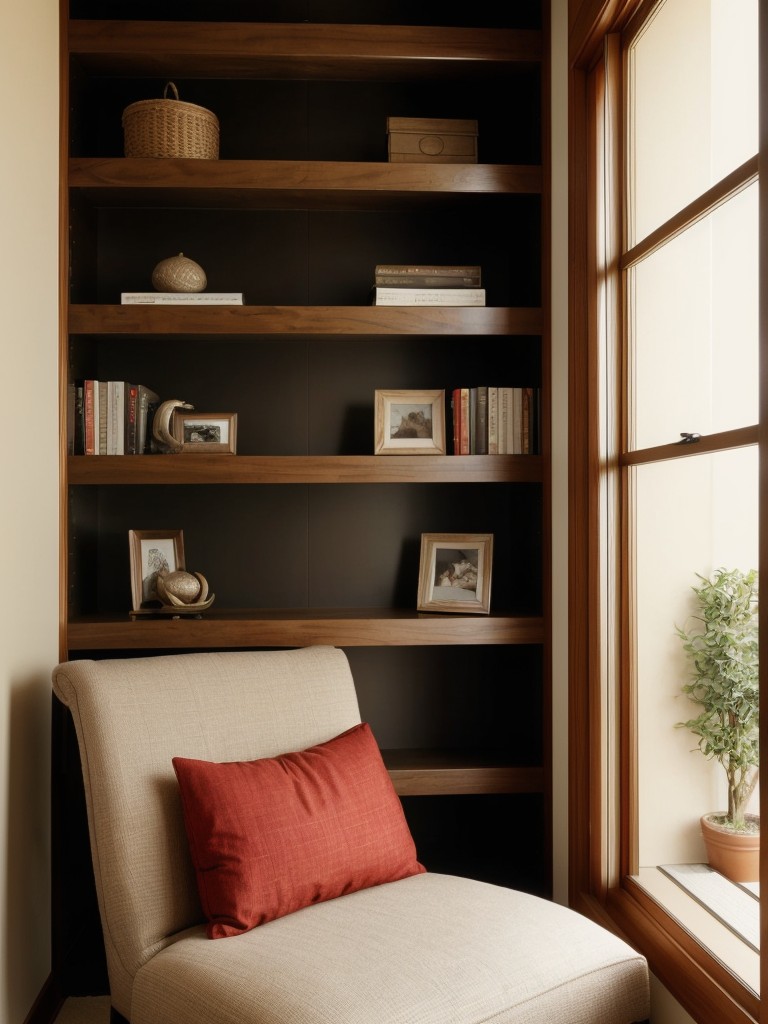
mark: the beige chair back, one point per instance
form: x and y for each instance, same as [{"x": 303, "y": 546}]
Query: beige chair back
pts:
[{"x": 132, "y": 716}]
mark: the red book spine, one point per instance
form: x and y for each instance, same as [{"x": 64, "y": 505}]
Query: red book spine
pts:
[
  {"x": 90, "y": 436},
  {"x": 456, "y": 410},
  {"x": 465, "y": 439},
  {"x": 130, "y": 419}
]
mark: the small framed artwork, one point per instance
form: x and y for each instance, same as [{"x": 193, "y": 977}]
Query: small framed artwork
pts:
[
  {"x": 153, "y": 552},
  {"x": 455, "y": 572},
  {"x": 206, "y": 432},
  {"x": 409, "y": 423}
]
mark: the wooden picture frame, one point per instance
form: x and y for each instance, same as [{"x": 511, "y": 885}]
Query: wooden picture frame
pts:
[
  {"x": 205, "y": 432},
  {"x": 409, "y": 422},
  {"x": 455, "y": 573},
  {"x": 152, "y": 551}
]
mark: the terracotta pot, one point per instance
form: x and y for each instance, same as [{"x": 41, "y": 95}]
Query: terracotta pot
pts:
[{"x": 734, "y": 854}]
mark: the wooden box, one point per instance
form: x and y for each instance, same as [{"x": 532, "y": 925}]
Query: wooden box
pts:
[{"x": 431, "y": 140}]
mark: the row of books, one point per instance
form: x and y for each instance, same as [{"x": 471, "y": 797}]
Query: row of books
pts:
[
  {"x": 111, "y": 417},
  {"x": 495, "y": 420},
  {"x": 413, "y": 284}
]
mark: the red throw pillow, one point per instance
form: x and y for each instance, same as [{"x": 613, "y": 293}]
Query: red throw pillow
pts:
[{"x": 271, "y": 836}]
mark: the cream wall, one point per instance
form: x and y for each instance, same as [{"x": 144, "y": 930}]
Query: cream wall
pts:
[{"x": 29, "y": 504}]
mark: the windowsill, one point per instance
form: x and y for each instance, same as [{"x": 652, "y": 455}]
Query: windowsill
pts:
[{"x": 733, "y": 952}]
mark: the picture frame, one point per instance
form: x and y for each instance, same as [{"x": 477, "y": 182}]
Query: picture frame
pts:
[
  {"x": 151, "y": 551},
  {"x": 205, "y": 432},
  {"x": 455, "y": 573},
  {"x": 409, "y": 422}
]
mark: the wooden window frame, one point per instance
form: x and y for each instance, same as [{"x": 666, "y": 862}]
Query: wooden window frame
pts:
[{"x": 602, "y": 739}]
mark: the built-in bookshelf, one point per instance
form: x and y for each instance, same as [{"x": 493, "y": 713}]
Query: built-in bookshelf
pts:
[{"x": 305, "y": 535}]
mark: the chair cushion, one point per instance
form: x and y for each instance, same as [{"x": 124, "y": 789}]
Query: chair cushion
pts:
[
  {"x": 429, "y": 949},
  {"x": 273, "y": 835}
]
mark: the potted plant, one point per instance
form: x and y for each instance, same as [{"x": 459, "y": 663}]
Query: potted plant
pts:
[{"x": 723, "y": 652}]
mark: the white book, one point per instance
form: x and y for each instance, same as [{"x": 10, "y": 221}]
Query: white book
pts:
[
  {"x": 119, "y": 417},
  {"x": 111, "y": 420},
  {"x": 517, "y": 423},
  {"x": 181, "y": 298},
  {"x": 96, "y": 418},
  {"x": 429, "y": 296}
]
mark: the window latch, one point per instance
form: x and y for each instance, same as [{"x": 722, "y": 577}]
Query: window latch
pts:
[{"x": 687, "y": 438}]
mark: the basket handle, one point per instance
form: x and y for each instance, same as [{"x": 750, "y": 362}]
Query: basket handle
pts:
[{"x": 170, "y": 85}]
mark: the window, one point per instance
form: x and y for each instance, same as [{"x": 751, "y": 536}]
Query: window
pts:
[{"x": 664, "y": 343}]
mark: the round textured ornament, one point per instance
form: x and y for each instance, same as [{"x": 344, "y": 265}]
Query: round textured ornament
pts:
[
  {"x": 179, "y": 274},
  {"x": 183, "y": 585}
]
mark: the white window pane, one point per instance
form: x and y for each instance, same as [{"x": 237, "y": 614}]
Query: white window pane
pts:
[
  {"x": 693, "y": 334},
  {"x": 693, "y": 515},
  {"x": 693, "y": 106}
]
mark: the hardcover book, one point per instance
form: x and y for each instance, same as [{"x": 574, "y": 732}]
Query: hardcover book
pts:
[
  {"x": 493, "y": 421},
  {"x": 464, "y": 422},
  {"x": 431, "y": 269},
  {"x": 147, "y": 401},
  {"x": 426, "y": 281},
  {"x": 417, "y": 275},
  {"x": 429, "y": 296},
  {"x": 456, "y": 411},
  {"x": 481, "y": 420}
]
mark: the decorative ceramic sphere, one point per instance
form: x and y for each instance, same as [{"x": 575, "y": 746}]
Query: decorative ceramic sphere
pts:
[
  {"x": 179, "y": 274},
  {"x": 183, "y": 585}
]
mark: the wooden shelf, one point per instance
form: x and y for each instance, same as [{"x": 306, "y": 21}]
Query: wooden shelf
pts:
[
  {"x": 303, "y": 469},
  {"x": 293, "y": 184},
  {"x": 307, "y": 321},
  {"x": 435, "y": 773},
  {"x": 356, "y": 627},
  {"x": 190, "y": 49}
]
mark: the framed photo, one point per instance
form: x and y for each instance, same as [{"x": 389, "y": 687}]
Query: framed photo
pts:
[
  {"x": 153, "y": 551},
  {"x": 455, "y": 572},
  {"x": 409, "y": 423},
  {"x": 205, "y": 431}
]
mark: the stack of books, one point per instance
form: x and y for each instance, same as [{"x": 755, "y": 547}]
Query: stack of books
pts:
[
  {"x": 408, "y": 284},
  {"x": 111, "y": 417},
  {"x": 495, "y": 421}
]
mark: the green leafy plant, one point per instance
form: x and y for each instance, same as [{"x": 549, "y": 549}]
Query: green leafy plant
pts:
[{"x": 724, "y": 655}]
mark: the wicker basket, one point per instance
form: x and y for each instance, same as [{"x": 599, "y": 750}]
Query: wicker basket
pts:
[{"x": 170, "y": 128}]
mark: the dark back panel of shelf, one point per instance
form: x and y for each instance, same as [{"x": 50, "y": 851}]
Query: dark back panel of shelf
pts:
[
  {"x": 296, "y": 258},
  {"x": 298, "y": 120},
  {"x": 295, "y": 396},
  {"x": 417, "y": 697},
  {"x": 322, "y": 546},
  {"x": 496, "y": 838}
]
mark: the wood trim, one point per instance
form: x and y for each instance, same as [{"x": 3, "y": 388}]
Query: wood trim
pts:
[
  {"x": 763, "y": 455},
  {"x": 705, "y": 989},
  {"x": 304, "y": 469},
  {"x": 723, "y": 190},
  {"x": 546, "y": 427},
  {"x": 298, "y": 627},
  {"x": 740, "y": 437},
  {"x": 286, "y": 184},
  {"x": 296, "y": 50},
  {"x": 589, "y": 22},
  {"x": 303, "y": 321},
  {"x": 580, "y": 539}
]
